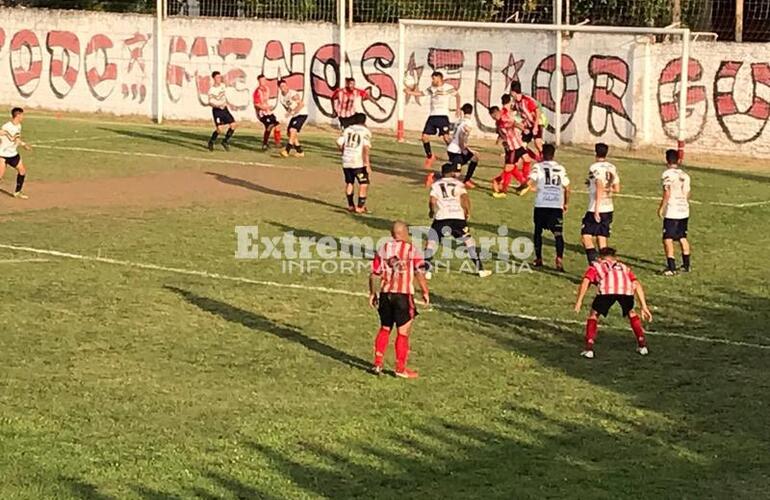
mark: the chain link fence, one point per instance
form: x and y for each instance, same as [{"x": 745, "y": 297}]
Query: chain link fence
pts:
[{"x": 717, "y": 16}]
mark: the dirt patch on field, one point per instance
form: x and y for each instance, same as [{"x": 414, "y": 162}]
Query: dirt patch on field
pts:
[{"x": 172, "y": 189}]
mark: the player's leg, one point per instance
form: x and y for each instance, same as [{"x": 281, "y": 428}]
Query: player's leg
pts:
[
  {"x": 2, "y": 168},
  {"x": 636, "y": 325},
  {"x": 435, "y": 233},
  {"x": 214, "y": 135},
  {"x": 385, "y": 312},
  {"x": 404, "y": 314},
  {"x": 21, "y": 174},
  {"x": 685, "y": 246},
  {"x": 229, "y": 134},
  {"x": 556, "y": 226},
  {"x": 537, "y": 237},
  {"x": 349, "y": 188},
  {"x": 472, "y": 164},
  {"x": 670, "y": 231},
  {"x": 429, "y": 130},
  {"x": 363, "y": 189},
  {"x": 592, "y": 329},
  {"x": 473, "y": 251},
  {"x": 290, "y": 141}
]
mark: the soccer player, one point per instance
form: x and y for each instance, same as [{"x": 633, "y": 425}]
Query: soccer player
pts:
[
  {"x": 437, "y": 123},
  {"x": 397, "y": 263},
  {"x": 10, "y": 140},
  {"x": 222, "y": 116},
  {"x": 551, "y": 185},
  {"x": 509, "y": 135},
  {"x": 355, "y": 144},
  {"x": 450, "y": 208},
  {"x": 529, "y": 110},
  {"x": 615, "y": 282},
  {"x": 265, "y": 112},
  {"x": 459, "y": 150},
  {"x": 294, "y": 105},
  {"x": 603, "y": 181},
  {"x": 348, "y": 103},
  {"x": 674, "y": 208}
]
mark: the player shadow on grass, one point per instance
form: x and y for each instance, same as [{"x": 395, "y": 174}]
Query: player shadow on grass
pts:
[
  {"x": 261, "y": 323},
  {"x": 176, "y": 137},
  {"x": 246, "y": 184}
]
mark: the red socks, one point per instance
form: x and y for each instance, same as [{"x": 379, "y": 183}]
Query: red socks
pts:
[
  {"x": 636, "y": 326},
  {"x": 277, "y": 136},
  {"x": 525, "y": 171},
  {"x": 402, "y": 352},
  {"x": 507, "y": 177},
  {"x": 381, "y": 345},
  {"x": 591, "y": 329}
]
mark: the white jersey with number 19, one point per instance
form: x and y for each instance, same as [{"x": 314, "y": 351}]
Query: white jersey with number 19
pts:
[
  {"x": 353, "y": 141},
  {"x": 448, "y": 193},
  {"x": 602, "y": 175},
  {"x": 550, "y": 179}
]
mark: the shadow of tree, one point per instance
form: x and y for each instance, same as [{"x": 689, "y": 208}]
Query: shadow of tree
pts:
[{"x": 177, "y": 137}]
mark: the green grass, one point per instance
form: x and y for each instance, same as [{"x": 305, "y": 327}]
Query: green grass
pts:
[{"x": 118, "y": 382}]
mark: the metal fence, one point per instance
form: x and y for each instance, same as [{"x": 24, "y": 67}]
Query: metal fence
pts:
[{"x": 718, "y": 16}]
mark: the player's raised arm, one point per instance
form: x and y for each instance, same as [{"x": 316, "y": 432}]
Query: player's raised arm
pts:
[
  {"x": 414, "y": 92},
  {"x": 458, "y": 104}
]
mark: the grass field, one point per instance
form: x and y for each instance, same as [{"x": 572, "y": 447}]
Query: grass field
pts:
[{"x": 129, "y": 368}]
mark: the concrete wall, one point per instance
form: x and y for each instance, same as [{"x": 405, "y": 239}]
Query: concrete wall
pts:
[{"x": 617, "y": 88}]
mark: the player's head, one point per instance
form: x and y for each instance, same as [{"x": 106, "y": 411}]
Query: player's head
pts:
[
  {"x": 467, "y": 109},
  {"x": 516, "y": 89},
  {"x": 607, "y": 252},
  {"x": 17, "y": 114},
  {"x": 400, "y": 231},
  {"x": 283, "y": 86},
  {"x": 262, "y": 80},
  {"x": 494, "y": 112},
  {"x": 217, "y": 77},
  {"x": 350, "y": 83},
  {"x": 506, "y": 99},
  {"x": 450, "y": 170},
  {"x": 549, "y": 151},
  {"x": 601, "y": 150},
  {"x": 672, "y": 157},
  {"x": 437, "y": 78},
  {"x": 360, "y": 119}
]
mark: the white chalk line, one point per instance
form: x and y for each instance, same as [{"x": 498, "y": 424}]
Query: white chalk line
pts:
[
  {"x": 336, "y": 291},
  {"x": 18, "y": 261},
  {"x": 72, "y": 139},
  {"x": 694, "y": 202},
  {"x": 203, "y": 158}
]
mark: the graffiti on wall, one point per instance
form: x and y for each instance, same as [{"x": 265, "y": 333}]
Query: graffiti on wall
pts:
[{"x": 742, "y": 126}]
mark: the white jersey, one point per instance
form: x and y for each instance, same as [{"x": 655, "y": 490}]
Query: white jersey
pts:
[
  {"x": 602, "y": 175},
  {"x": 217, "y": 97},
  {"x": 10, "y": 135},
  {"x": 290, "y": 101},
  {"x": 440, "y": 99},
  {"x": 353, "y": 141},
  {"x": 550, "y": 179},
  {"x": 448, "y": 191},
  {"x": 461, "y": 135},
  {"x": 677, "y": 182}
]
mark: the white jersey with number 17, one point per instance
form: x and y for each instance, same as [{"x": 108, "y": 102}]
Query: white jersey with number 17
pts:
[
  {"x": 550, "y": 179},
  {"x": 448, "y": 192},
  {"x": 353, "y": 141}
]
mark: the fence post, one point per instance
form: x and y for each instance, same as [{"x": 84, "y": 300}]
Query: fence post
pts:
[
  {"x": 400, "y": 98},
  {"x": 342, "y": 27},
  {"x": 684, "y": 82},
  {"x": 738, "y": 20},
  {"x": 559, "y": 77},
  {"x": 160, "y": 74}
]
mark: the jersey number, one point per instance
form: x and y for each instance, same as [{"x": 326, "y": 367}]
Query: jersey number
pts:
[
  {"x": 353, "y": 140},
  {"x": 445, "y": 194},
  {"x": 551, "y": 181}
]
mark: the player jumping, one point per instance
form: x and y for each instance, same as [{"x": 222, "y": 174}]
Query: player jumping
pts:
[
  {"x": 450, "y": 207},
  {"x": 459, "y": 150},
  {"x": 674, "y": 208},
  {"x": 265, "y": 112},
  {"x": 551, "y": 185},
  {"x": 529, "y": 110},
  {"x": 294, "y": 105},
  {"x": 396, "y": 264},
  {"x": 509, "y": 134},
  {"x": 603, "y": 181},
  {"x": 355, "y": 143},
  {"x": 222, "y": 116},
  {"x": 348, "y": 103},
  {"x": 615, "y": 282},
  {"x": 438, "y": 122},
  {"x": 10, "y": 140}
]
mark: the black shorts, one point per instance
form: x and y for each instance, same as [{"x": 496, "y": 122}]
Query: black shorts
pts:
[
  {"x": 396, "y": 308},
  {"x": 437, "y": 125},
  {"x": 460, "y": 158},
  {"x": 350, "y": 120},
  {"x": 13, "y": 161},
  {"x": 603, "y": 303},
  {"x": 268, "y": 120},
  {"x": 456, "y": 228},
  {"x": 222, "y": 116},
  {"x": 551, "y": 219},
  {"x": 297, "y": 123},
  {"x": 528, "y": 136},
  {"x": 675, "y": 229},
  {"x": 593, "y": 228},
  {"x": 356, "y": 174},
  {"x": 512, "y": 157}
]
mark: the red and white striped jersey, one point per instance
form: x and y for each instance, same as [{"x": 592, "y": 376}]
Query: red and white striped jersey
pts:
[
  {"x": 261, "y": 97},
  {"x": 347, "y": 103},
  {"x": 527, "y": 109},
  {"x": 611, "y": 277},
  {"x": 508, "y": 133},
  {"x": 395, "y": 263}
]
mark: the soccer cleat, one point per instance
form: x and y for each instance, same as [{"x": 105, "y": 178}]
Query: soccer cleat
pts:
[
  {"x": 265, "y": 147},
  {"x": 361, "y": 210},
  {"x": 521, "y": 191},
  {"x": 226, "y": 145},
  {"x": 643, "y": 350},
  {"x": 681, "y": 269},
  {"x": 668, "y": 272},
  {"x": 498, "y": 196},
  {"x": 210, "y": 146},
  {"x": 406, "y": 373},
  {"x": 538, "y": 263},
  {"x": 560, "y": 265},
  {"x": 587, "y": 354},
  {"x": 428, "y": 275},
  {"x": 429, "y": 162},
  {"x": 21, "y": 196},
  {"x": 485, "y": 273},
  {"x": 429, "y": 179},
  {"x": 351, "y": 209},
  {"x": 300, "y": 155},
  {"x": 376, "y": 370},
  {"x": 470, "y": 185},
  {"x": 284, "y": 153}
]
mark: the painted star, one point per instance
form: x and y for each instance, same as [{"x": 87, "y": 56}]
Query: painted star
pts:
[
  {"x": 511, "y": 71},
  {"x": 412, "y": 77}
]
